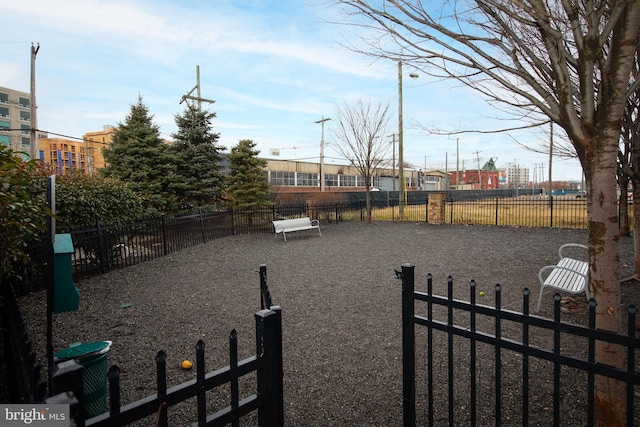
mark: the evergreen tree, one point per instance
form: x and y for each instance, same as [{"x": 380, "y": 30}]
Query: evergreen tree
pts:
[
  {"x": 198, "y": 157},
  {"x": 137, "y": 155},
  {"x": 247, "y": 185}
]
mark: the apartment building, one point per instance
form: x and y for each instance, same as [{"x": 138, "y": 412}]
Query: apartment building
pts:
[
  {"x": 517, "y": 176},
  {"x": 63, "y": 155},
  {"x": 15, "y": 120}
]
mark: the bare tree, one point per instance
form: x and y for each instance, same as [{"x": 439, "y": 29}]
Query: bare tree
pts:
[
  {"x": 360, "y": 137},
  {"x": 567, "y": 61}
]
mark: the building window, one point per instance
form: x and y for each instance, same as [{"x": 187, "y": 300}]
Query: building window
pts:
[
  {"x": 307, "y": 179},
  {"x": 24, "y": 102},
  {"x": 5, "y": 140},
  {"x": 25, "y": 116},
  {"x": 282, "y": 178},
  {"x": 4, "y": 125},
  {"x": 4, "y": 112},
  {"x": 331, "y": 180},
  {"x": 25, "y": 129},
  {"x": 26, "y": 142},
  {"x": 4, "y": 98}
]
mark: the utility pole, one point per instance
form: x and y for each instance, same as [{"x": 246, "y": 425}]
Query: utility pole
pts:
[
  {"x": 393, "y": 161},
  {"x": 550, "y": 159},
  {"x": 479, "y": 173},
  {"x": 34, "y": 148},
  {"x": 403, "y": 200},
  {"x": 321, "y": 121},
  {"x": 198, "y": 98},
  {"x": 457, "y": 162}
]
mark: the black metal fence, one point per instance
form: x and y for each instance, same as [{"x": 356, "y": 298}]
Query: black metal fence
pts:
[
  {"x": 267, "y": 398},
  {"x": 520, "y": 370},
  {"x": 23, "y": 369},
  {"x": 525, "y": 211},
  {"x": 101, "y": 248}
]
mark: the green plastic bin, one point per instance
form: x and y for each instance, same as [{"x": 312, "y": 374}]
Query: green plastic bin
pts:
[{"x": 93, "y": 358}]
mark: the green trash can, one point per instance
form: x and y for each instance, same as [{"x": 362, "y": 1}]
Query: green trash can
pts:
[{"x": 92, "y": 356}]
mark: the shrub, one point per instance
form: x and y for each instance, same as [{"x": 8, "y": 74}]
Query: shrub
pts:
[
  {"x": 81, "y": 200},
  {"x": 23, "y": 208}
]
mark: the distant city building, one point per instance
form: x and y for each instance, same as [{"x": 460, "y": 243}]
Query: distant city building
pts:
[
  {"x": 63, "y": 155},
  {"x": 15, "y": 120},
  {"x": 517, "y": 176},
  {"x": 487, "y": 178},
  {"x": 292, "y": 175}
]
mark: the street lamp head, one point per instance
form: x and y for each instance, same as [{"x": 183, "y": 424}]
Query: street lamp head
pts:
[{"x": 413, "y": 75}]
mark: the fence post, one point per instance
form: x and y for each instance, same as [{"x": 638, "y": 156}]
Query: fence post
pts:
[
  {"x": 631, "y": 332},
  {"x": 497, "y": 207},
  {"x": 233, "y": 222},
  {"x": 161, "y": 379},
  {"x": 408, "y": 347},
  {"x": 426, "y": 210},
  {"x": 165, "y": 243},
  {"x": 200, "y": 373},
  {"x": 204, "y": 235},
  {"x": 76, "y": 419},
  {"x": 101, "y": 248},
  {"x": 113, "y": 375},
  {"x": 67, "y": 377},
  {"x": 270, "y": 373},
  {"x": 265, "y": 295}
]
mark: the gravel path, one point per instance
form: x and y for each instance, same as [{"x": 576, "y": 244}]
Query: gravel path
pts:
[{"x": 340, "y": 303}]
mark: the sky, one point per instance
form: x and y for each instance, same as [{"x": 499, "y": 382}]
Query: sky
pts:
[{"x": 273, "y": 68}]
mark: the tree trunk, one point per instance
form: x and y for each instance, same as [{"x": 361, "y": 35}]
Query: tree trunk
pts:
[
  {"x": 604, "y": 285},
  {"x": 636, "y": 228},
  {"x": 625, "y": 229}
]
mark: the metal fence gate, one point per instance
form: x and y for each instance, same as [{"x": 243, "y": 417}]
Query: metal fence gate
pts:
[{"x": 489, "y": 366}]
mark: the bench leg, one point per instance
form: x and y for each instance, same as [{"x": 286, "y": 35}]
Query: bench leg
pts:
[{"x": 540, "y": 298}]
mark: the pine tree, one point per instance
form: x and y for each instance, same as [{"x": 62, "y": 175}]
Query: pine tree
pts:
[
  {"x": 247, "y": 185},
  {"x": 198, "y": 157},
  {"x": 139, "y": 156}
]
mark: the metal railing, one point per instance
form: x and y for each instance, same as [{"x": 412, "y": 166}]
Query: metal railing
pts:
[
  {"x": 265, "y": 366},
  {"x": 541, "y": 353}
]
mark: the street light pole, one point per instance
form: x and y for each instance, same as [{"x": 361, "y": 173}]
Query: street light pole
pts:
[
  {"x": 400, "y": 144},
  {"x": 403, "y": 186},
  {"x": 321, "y": 121},
  {"x": 34, "y": 149}
]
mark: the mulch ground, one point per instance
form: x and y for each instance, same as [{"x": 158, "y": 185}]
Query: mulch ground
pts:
[{"x": 341, "y": 316}]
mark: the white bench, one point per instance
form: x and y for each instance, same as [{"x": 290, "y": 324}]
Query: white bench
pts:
[
  {"x": 568, "y": 275},
  {"x": 285, "y": 226}
]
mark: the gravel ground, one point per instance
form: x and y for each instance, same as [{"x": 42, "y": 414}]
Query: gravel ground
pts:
[{"x": 341, "y": 316}]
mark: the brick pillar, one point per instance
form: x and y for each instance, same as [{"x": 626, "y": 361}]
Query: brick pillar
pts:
[{"x": 436, "y": 208}]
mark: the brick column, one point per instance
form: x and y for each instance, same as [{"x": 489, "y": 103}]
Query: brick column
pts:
[{"x": 436, "y": 208}]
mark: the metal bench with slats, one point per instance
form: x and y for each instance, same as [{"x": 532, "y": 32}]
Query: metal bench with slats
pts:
[
  {"x": 285, "y": 226},
  {"x": 568, "y": 275}
]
